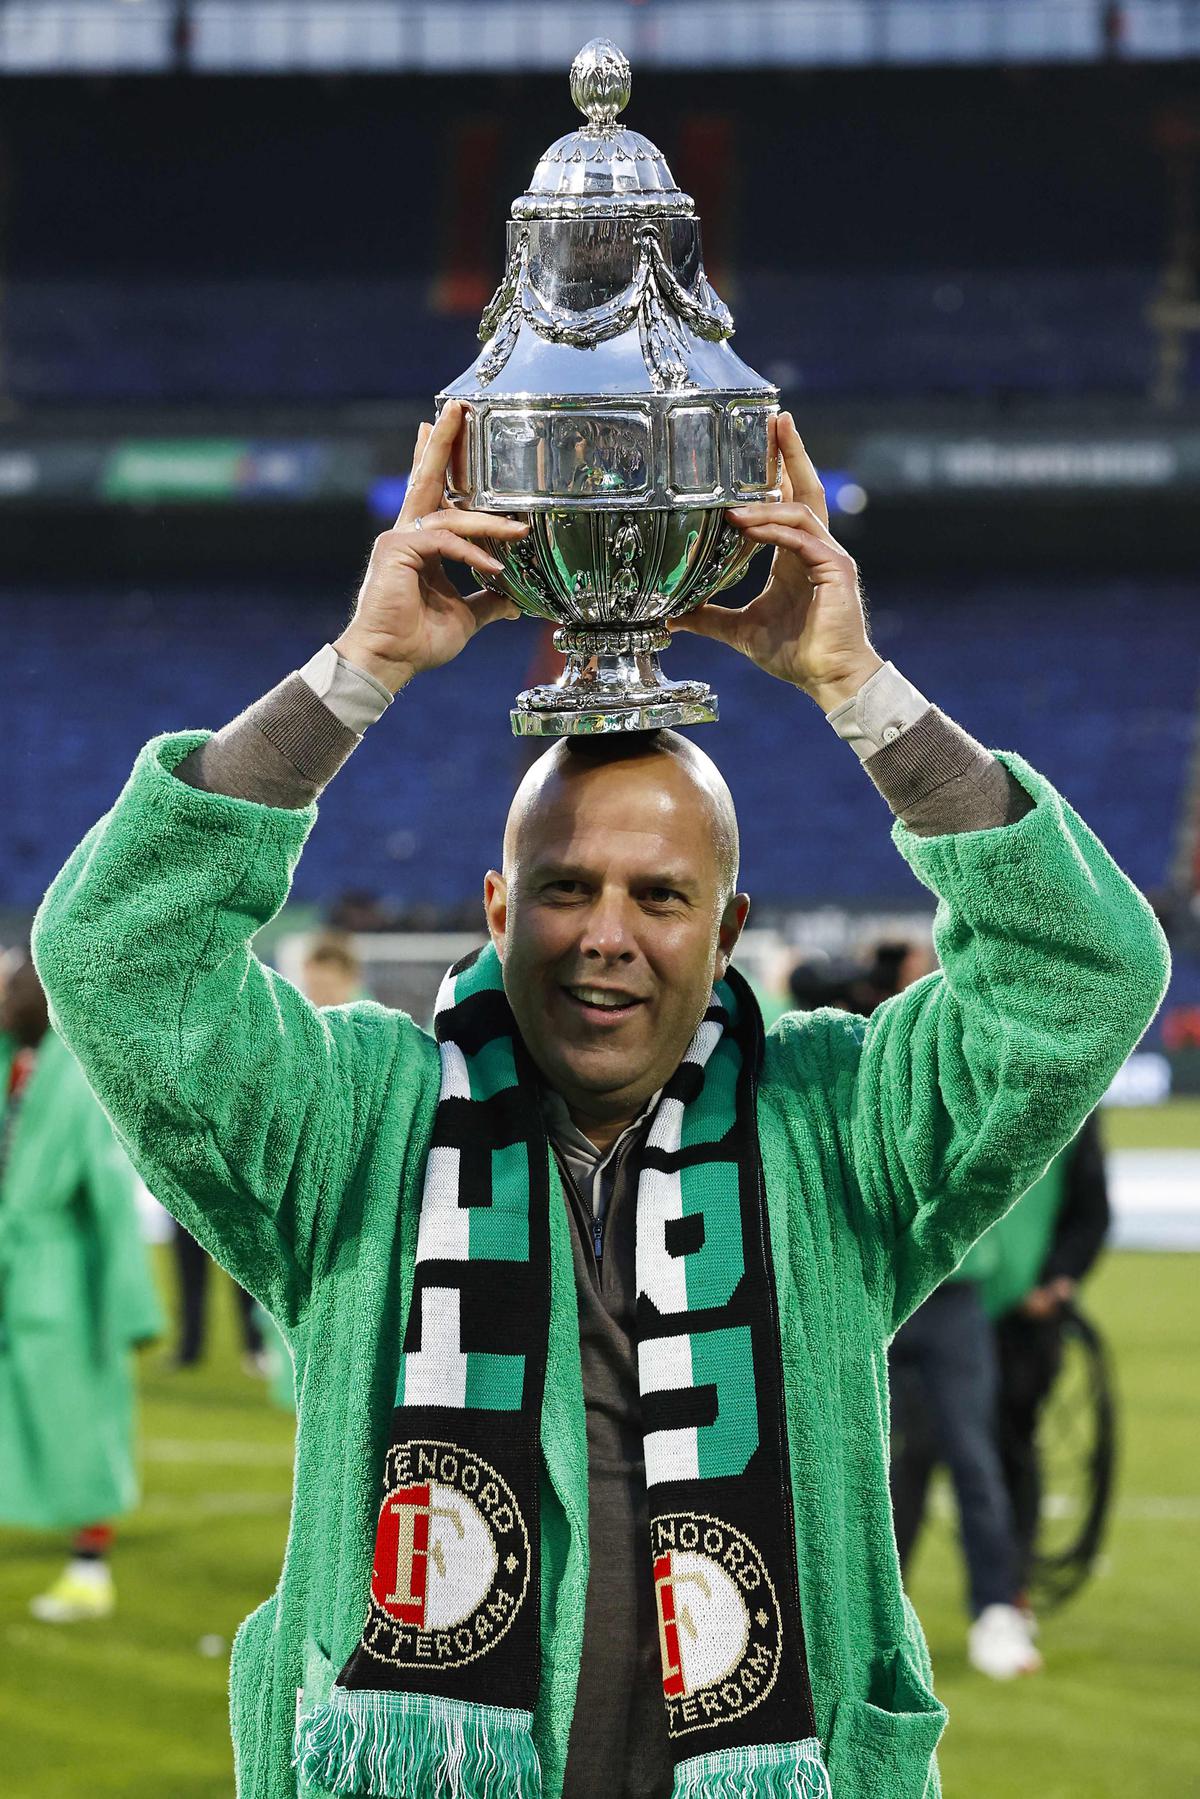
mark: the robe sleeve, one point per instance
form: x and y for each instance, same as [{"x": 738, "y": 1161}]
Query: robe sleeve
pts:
[
  {"x": 244, "y": 1107},
  {"x": 969, "y": 1082},
  {"x": 129, "y": 1309}
]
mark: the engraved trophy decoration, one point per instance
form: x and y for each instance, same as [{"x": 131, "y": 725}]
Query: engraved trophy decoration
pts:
[{"x": 608, "y": 410}]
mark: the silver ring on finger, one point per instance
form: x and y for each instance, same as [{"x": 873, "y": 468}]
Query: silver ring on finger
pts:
[{"x": 418, "y": 524}]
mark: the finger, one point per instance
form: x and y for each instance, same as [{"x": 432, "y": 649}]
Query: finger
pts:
[
  {"x": 816, "y": 550},
  {"x": 795, "y": 513},
  {"x": 430, "y": 545},
  {"x": 806, "y": 483},
  {"x": 428, "y": 481},
  {"x": 474, "y": 524},
  {"x": 490, "y": 607},
  {"x": 423, "y": 431},
  {"x": 718, "y": 622}
]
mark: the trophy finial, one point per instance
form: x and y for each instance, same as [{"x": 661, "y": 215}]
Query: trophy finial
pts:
[{"x": 600, "y": 81}]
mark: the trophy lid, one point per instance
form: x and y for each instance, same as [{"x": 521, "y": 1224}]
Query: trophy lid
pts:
[{"x": 602, "y": 169}]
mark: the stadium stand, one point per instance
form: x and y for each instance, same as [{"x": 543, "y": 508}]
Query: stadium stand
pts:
[
  {"x": 304, "y": 258},
  {"x": 1112, "y": 729},
  {"x": 941, "y": 331}
]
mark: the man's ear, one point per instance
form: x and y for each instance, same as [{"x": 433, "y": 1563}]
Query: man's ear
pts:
[
  {"x": 495, "y": 908},
  {"x": 733, "y": 923}
]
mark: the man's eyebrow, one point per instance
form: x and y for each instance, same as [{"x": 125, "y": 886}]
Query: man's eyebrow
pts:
[
  {"x": 669, "y": 877},
  {"x": 551, "y": 867},
  {"x": 556, "y": 869}
]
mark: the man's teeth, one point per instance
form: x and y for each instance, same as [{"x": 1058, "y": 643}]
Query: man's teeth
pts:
[{"x": 596, "y": 996}]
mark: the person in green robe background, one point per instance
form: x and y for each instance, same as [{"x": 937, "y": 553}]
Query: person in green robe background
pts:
[{"x": 76, "y": 1296}]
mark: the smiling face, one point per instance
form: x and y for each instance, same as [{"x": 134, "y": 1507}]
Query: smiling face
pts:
[{"x": 613, "y": 917}]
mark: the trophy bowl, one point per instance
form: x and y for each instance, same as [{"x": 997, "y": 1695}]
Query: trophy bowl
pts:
[{"x": 607, "y": 409}]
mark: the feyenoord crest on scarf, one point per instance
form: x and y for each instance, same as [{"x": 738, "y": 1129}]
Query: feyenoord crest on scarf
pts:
[
  {"x": 437, "y": 1700},
  {"x": 608, "y": 410}
]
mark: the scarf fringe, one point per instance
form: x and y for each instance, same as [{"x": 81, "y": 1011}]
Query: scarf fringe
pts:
[
  {"x": 764, "y": 1771},
  {"x": 417, "y": 1746}
]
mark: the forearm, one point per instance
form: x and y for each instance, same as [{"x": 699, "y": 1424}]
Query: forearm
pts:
[
  {"x": 934, "y": 775},
  {"x": 218, "y": 1076},
  {"x": 289, "y": 745},
  {"x": 970, "y": 1082}
]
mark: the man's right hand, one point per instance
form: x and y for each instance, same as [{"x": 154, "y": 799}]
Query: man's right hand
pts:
[{"x": 409, "y": 616}]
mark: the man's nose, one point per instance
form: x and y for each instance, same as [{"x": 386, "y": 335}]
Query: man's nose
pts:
[{"x": 607, "y": 934}]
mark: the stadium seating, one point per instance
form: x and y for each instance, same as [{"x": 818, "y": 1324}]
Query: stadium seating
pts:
[
  {"x": 293, "y": 255},
  {"x": 893, "y": 334},
  {"x": 1087, "y": 679}
]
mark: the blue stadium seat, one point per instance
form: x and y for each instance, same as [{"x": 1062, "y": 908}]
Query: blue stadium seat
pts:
[
  {"x": 1095, "y": 682},
  {"x": 896, "y": 334}
]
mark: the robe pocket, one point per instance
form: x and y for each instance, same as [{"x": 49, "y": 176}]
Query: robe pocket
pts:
[
  {"x": 319, "y": 1675},
  {"x": 883, "y": 1747},
  {"x": 251, "y": 1689},
  {"x": 47, "y": 1286}
]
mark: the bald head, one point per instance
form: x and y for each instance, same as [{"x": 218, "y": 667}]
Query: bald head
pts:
[
  {"x": 662, "y": 758},
  {"x": 614, "y": 914}
]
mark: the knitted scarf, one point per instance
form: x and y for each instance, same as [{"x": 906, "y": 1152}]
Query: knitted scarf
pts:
[{"x": 437, "y": 1700}]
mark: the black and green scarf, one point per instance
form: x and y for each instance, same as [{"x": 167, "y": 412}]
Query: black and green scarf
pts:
[{"x": 437, "y": 1700}]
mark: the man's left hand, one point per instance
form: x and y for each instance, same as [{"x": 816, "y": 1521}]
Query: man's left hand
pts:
[
  {"x": 807, "y": 626},
  {"x": 1049, "y": 1301}
]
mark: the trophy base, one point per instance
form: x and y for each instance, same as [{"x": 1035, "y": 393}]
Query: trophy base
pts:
[{"x": 621, "y": 691}]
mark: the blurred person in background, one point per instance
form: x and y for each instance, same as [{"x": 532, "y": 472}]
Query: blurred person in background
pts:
[
  {"x": 76, "y": 1296},
  {"x": 944, "y": 1374},
  {"x": 331, "y": 973},
  {"x": 193, "y": 1271},
  {"x": 1043, "y": 1249},
  {"x": 472, "y": 1243},
  {"x": 970, "y": 1372}
]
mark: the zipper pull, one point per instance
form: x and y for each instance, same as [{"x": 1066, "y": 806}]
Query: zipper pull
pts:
[{"x": 598, "y": 1237}]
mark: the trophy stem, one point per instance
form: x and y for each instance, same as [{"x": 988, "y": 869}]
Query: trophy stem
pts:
[{"x": 618, "y": 690}]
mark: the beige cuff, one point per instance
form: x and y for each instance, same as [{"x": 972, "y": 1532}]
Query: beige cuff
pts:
[
  {"x": 884, "y": 706},
  {"x": 351, "y": 694}
]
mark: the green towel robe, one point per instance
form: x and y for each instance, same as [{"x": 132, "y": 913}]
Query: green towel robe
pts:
[
  {"x": 292, "y": 1143},
  {"x": 76, "y": 1294}
]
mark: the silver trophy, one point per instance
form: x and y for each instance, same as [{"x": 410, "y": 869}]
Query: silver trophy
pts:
[{"x": 607, "y": 409}]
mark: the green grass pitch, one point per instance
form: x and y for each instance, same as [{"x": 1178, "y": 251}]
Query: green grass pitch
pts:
[{"x": 136, "y": 1706}]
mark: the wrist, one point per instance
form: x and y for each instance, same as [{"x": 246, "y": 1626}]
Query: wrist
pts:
[
  {"x": 832, "y": 693},
  {"x": 392, "y": 672}
]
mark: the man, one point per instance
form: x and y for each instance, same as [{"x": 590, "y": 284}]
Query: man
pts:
[
  {"x": 970, "y": 1371},
  {"x": 942, "y": 1372},
  {"x": 1044, "y": 1248},
  {"x": 331, "y": 973},
  {"x": 192, "y": 1270},
  {"x": 76, "y": 1296},
  {"x": 945, "y": 1381},
  {"x": 672, "y": 1325}
]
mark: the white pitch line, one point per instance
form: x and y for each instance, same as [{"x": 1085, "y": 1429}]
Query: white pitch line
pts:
[
  {"x": 215, "y": 1505},
  {"x": 228, "y": 1452},
  {"x": 1142, "y": 1508},
  {"x": 1177, "y": 1509}
]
